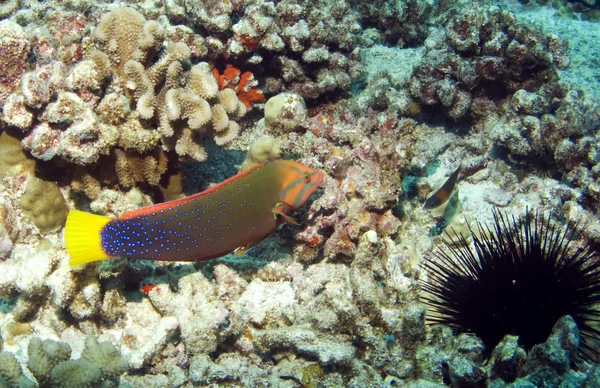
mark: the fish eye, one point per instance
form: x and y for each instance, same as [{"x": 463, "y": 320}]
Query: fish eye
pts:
[{"x": 307, "y": 177}]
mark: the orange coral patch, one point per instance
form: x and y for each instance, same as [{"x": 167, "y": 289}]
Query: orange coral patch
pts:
[
  {"x": 250, "y": 42},
  {"x": 218, "y": 78},
  {"x": 228, "y": 79},
  {"x": 231, "y": 73},
  {"x": 244, "y": 78},
  {"x": 252, "y": 95},
  {"x": 146, "y": 288},
  {"x": 314, "y": 240}
]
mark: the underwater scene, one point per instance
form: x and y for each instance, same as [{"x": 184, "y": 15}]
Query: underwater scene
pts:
[{"x": 294, "y": 193}]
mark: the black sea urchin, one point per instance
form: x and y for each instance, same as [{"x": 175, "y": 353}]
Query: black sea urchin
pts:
[{"x": 520, "y": 278}]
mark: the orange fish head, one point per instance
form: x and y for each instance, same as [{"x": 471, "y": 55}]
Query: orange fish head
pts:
[{"x": 299, "y": 184}]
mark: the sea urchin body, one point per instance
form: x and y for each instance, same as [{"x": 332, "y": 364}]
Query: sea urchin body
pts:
[{"x": 518, "y": 277}]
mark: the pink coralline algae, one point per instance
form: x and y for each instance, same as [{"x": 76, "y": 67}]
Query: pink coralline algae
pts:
[
  {"x": 68, "y": 29},
  {"x": 14, "y": 51}
]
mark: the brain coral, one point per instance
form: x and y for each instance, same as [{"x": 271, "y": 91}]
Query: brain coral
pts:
[{"x": 43, "y": 202}]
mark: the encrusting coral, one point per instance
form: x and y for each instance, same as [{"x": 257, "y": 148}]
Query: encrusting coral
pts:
[
  {"x": 285, "y": 112},
  {"x": 469, "y": 62},
  {"x": 8, "y": 7},
  {"x": 14, "y": 48},
  {"x": 13, "y": 159},
  {"x": 264, "y": 149}
]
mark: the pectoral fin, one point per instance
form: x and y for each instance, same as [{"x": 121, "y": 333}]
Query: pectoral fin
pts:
[
  {"x": 246, "y": 248},
  {"x": 241, "y": 250},
  {"x": 280, "y": 210}
]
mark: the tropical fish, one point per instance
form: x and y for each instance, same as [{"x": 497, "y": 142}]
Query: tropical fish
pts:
[
  {"x": 443, "y": 193},
  {"x": 239, "y": 212}
]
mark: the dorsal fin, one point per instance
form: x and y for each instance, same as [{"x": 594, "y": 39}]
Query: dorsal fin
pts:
[{"x": 181, "y": 201}]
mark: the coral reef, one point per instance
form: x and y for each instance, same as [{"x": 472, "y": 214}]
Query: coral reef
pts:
[
  {"x": 129, "y": 106},
  {"x": 14, "y": 49},
  {"x": 509, "y": 364},
  {"x": 546, "y": 262},
  {"x": 398, "y": 23},
  {"x": 555, "y": 128},
  {"x": 584, "y": 9}
]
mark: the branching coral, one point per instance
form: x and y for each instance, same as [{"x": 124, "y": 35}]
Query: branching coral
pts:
[
  {"x": 42, "y": 357},
  {"x": 105, "y": 356},
  {"x": 186, "y": 103},
  {"x": 76, "y": 373},
  {"x": 49, "y": 363},
  {"x": 10, "y": 371}
]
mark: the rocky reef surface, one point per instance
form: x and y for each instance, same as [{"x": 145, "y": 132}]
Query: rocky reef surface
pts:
[{"x": 109, "y": 107}]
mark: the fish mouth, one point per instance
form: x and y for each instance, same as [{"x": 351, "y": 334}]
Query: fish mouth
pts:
[{"x": 318, "y": 178}]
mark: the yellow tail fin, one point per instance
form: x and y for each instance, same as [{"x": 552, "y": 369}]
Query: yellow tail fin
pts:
[{"x": 82, "y": 237}]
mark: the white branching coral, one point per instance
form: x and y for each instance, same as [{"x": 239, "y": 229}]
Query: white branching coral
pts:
[
  {"x": 186, "y": 104},
  {"x": 134, "y": 92}
]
